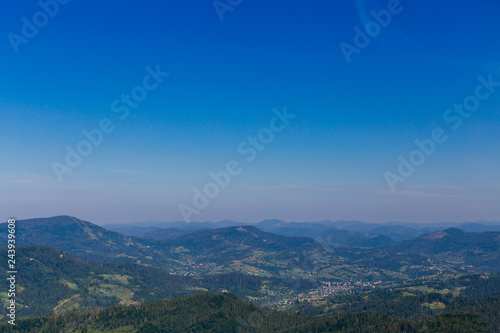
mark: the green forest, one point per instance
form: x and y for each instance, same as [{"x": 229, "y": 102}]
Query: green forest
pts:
[{"x": 208, "y": 312}]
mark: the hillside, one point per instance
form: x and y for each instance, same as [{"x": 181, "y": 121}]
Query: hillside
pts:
[
  {"x": 396, "y": 231},
  {"x": 344, "y": 238},
  {"x": 168, "y": 233},
  {"x": 246, "y": 249},
  {"x": 325, "y": 234},
  {"x": 251, "y": 250},
  {"x": 207, "y": 312},
  {"x": 245, "y": 237},
  {"x": 83, "y": 239},
  {"x": 52, "y": 280},
  {"x": 454, "y": 246},
  {"x": 55, "y": 281},
  {"x": 147, "y": 229}
]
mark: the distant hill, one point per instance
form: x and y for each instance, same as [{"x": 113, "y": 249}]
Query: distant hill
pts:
[
  {"x": 85, "y": 240},
  {"x": 164, "y": 234},
  {"x": 130, "y": 230},
  {"x": 320, "y": 231},
  {"x": 254, "y": 251},
  {"x": 396, "y": 231},
  {"x": 481, "y": 250},
  {"x": 146, "y": 228},
  {"x": 245, "y": 248},
  {"x": 344, "y": 238},
  {"x": 244, "y": 238},
  {"x": 479, "y": 227},
  {"x": 324, "y": 233},
  {"x": 171, "y": 233}
]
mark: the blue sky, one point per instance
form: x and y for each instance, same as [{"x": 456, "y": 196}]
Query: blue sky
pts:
[{"x": 353, "y": 119}]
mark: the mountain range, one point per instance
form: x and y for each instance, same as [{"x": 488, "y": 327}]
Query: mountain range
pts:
[
  {"x": 71, "y": 264},
  {"x": 356, "y": 233},
  {"x": 250, "y": 250}
]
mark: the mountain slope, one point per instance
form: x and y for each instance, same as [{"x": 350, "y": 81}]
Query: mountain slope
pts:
[
  {"x": 242, "y": 237},
  {"x": 52, "y": 280},
  {"x": 207, "y": 312},
  {"x": 81, "y": 238},
  {"x": 323, "y": 233},
  {"x": 90, "y": 241},
  {"x": 247, "y": 249},
  {"x": 480, "y": 250},
  {"x": 143, "y": 228},
  {"x": 344, "y": 238},
  {"x": 171, "y": 233}
]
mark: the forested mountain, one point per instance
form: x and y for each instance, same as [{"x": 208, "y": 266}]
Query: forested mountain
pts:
[
  {"x": 83, "y": 239},
  {"x": 454, "y": 246},
  {"x": 52, "y": 280},
  {"x": 244, "y": 237},
  {"x": 344, "y": 238},
  {"x": 472, "y": 294},
  {"x": 208, "y": 312},
  {"x": 148, "y": 229},
  {"x": 396, "y": 231},
  {"x": 170, "y": 233}
]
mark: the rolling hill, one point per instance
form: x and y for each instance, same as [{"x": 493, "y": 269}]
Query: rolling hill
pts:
[
  {"x": 454, "y": 246},
  {"x": 83, "y": 239},
  {"x": 51, "y": 280}
]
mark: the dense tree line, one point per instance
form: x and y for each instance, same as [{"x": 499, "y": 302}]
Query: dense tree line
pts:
[
  {"x": 479, "y": 297},
  {"x": 207, "y": 312}
]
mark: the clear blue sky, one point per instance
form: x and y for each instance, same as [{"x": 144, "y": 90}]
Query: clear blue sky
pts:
[{"x": 353, "y": 119}]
